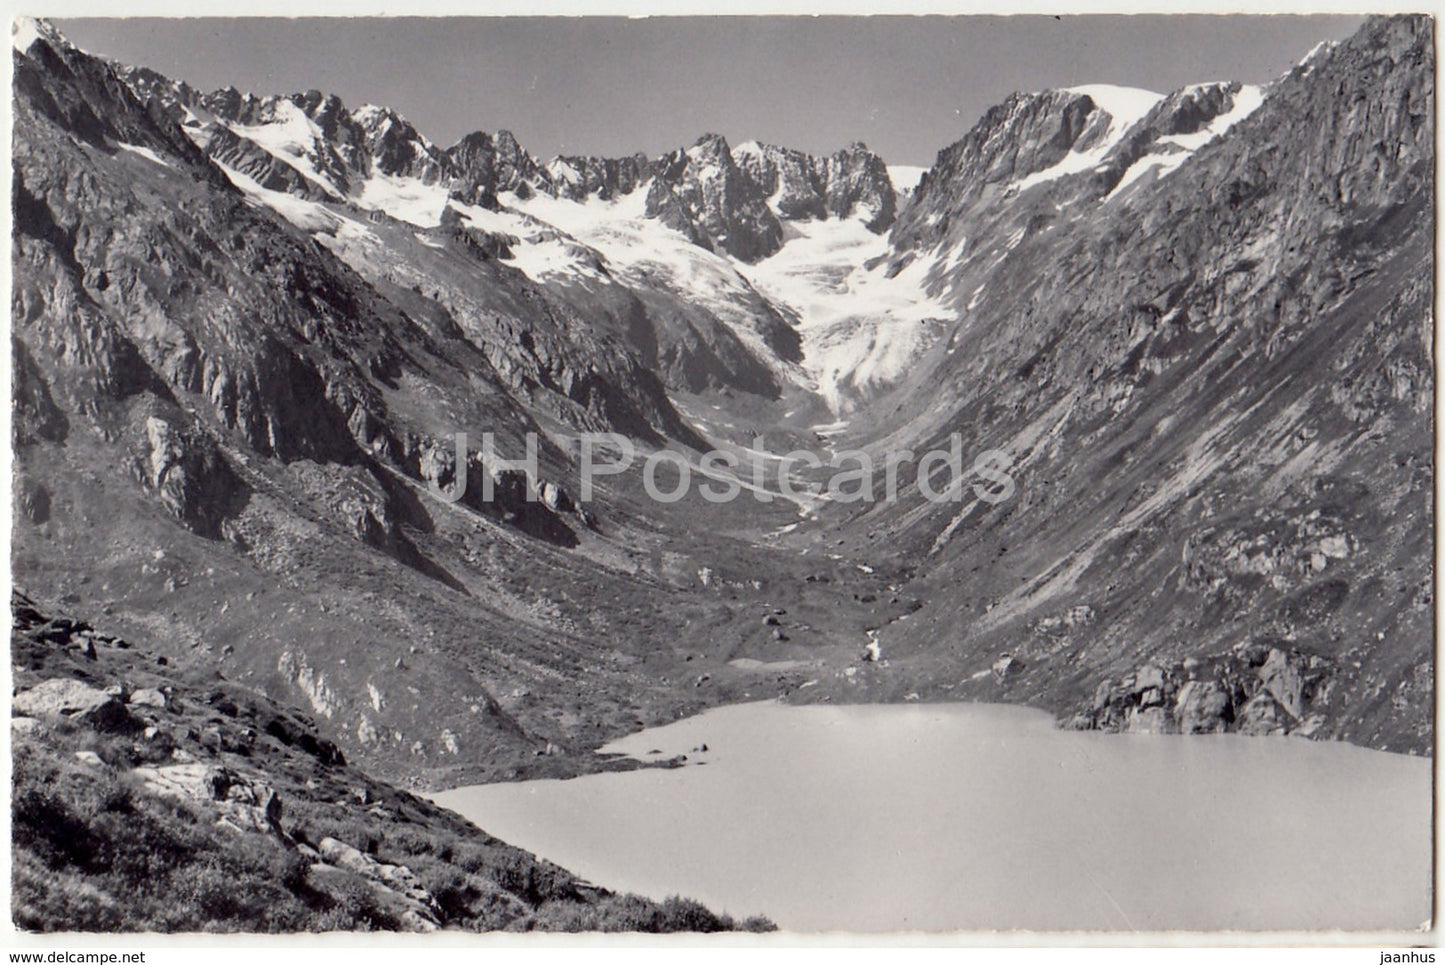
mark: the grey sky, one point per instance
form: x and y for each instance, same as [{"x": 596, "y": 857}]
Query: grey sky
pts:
[{"x": 908, "y": 86}]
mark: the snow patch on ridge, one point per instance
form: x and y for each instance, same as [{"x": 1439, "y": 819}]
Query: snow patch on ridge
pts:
[
  {"x": 24, "y": 31},
  {"x": 1180, "y": 147},
  {"x": 1317, "y": 51},
  {"x": 540, "y": 250},
  {"x": 1126, "y": 105},
  {"x": 747, "y": 149},
  {"x": 1246, "y": 102}
]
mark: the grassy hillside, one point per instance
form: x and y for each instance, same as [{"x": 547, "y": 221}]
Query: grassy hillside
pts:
[{"x": 151, "y": 799}]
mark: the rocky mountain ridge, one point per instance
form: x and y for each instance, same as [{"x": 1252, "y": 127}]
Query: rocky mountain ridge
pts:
[
  {"x": 279, "y": 419},
  {"x": 152, "y": 798}
]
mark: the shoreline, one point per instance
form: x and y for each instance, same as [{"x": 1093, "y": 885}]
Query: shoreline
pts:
[{"x": 623, "y": 762}]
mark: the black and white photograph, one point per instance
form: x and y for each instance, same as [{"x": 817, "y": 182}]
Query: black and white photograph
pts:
[{"x": 771, "y": 477}]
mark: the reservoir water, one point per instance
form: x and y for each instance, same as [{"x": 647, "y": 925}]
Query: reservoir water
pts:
[{"x": 984, "y": 817}]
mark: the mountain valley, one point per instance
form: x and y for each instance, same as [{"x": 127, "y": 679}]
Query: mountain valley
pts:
[{"x": 1196, "y": 329}]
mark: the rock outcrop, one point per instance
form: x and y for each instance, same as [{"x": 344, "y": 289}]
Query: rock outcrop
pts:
[
  {"x": 1255, "y": 689},
  {"x": 395, "y": 884}
]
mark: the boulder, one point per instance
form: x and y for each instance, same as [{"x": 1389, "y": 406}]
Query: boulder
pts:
[
  {"x": 413, "y": 920},
  {"x": 69, "y": 698},
  {"x": 1260, "y": 716},
  {"x": 188, "y": 779},
  {"x": 62, "y": 631},
  {"x": 554, "y": 497},
  {"x": 1103, "y": 694},
  {"x": 23, "y": 612},
  {"x": 414, "y": 915},
  {"x": 256, "y": 803},
  {"x": 343, "y": 855},
  {"x": 242, "y": 804}
]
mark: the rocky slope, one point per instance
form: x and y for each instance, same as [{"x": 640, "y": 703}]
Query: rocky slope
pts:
[{"x": 150, "y": 798}]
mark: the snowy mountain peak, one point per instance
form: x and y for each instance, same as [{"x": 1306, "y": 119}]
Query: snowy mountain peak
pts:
[
  {"x": 730, "y": 202},
  {"x": 561, "y": 170}
]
